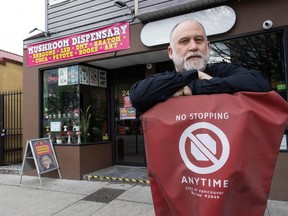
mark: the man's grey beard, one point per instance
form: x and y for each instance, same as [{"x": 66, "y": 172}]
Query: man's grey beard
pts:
[{"x": 182, "y": 64}]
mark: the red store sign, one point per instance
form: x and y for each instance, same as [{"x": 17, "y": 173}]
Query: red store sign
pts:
[{"x": 108, "y": 39}]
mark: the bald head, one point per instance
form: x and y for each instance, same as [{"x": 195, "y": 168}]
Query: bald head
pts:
[
  {"x": 189, "y": 48},
  {"x": 187, "y": 22}
]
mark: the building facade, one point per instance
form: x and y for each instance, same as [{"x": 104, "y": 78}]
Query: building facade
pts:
[
  {"x": 78, "y": 72},
  {"x": 11, "y": 71},
  {"x": 11, "y": 91}
]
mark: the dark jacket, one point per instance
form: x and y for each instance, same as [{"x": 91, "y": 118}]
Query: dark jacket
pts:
[{"x": 227, "y": 78}]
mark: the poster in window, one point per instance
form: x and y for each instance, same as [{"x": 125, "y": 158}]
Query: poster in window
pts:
[
  {"x": 102, "y": 79},
  {"x": 127, "y": 113},
  {"x": 44, "y": 155},
  {"x": 62, "y": 76},
  {"x": 94, "y": 77},
  {"x": 126, "y": 102},
  {"x": 55, "y": 126},
  {"x": 73, "y": 75},
  {"x": 84, "y": 75}
]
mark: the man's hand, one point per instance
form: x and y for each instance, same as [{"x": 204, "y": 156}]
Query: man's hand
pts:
[
  {"x": 180, "y": 92},
  {"x": 183, "y": 92},
  {"x": 186, "y": 91},
  {"x": 203, "y": 75}
]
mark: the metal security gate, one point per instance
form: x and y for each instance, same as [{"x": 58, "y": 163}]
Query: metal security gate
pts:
[{"x": 11, "y": 127}]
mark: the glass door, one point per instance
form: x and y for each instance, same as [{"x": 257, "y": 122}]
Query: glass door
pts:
[{"x": 129, "y": 148}]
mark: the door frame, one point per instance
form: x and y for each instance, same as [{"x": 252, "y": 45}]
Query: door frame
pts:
[{"x": 113, "y": 82}]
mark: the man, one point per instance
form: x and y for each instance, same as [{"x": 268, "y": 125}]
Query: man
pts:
[{"x": 189, "y": 49}]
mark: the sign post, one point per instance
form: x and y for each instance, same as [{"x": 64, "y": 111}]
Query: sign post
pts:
[{"x": 39, "y": 154}]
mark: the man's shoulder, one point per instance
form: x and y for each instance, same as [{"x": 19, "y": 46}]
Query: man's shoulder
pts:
[
  {"x": 221, "y": 66},
  {"x": 164, "y": 73}
]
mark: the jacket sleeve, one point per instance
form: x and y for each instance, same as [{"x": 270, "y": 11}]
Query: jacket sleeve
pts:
[
  {"x": 230, "y": 78},
  {"x": 159, "y": 87}
]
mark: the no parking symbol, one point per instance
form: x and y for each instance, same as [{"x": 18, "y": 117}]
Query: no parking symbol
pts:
[{"x": 203, "y": 147}]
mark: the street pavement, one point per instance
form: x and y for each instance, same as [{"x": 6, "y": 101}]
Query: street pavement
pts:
[{"x": 61, "y": 197}]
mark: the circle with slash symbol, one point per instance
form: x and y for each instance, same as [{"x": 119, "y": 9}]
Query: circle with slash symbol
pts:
[{"x": 204, "y": 148}]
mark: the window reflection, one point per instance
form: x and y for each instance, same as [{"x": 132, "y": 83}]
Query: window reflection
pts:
[
  {"x": 263, "y": 53},
  {"x": 75, "y": 105}
]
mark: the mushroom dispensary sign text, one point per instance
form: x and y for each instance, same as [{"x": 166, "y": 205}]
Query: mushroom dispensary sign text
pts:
[{"x": 107, "y": 39}]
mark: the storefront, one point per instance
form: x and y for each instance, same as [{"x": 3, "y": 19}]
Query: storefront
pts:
[{"x": 76, "y": 86}]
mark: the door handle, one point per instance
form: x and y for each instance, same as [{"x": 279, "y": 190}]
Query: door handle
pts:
[{"x": 3, "y": 133}]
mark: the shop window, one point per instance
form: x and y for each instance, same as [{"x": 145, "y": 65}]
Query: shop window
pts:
[
  {"x": 75, "y": 105},
  {"x": 262, "y": 52}
]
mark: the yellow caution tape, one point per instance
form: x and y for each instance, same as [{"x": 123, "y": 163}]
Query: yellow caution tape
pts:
[{"x": 101, "y": 178}]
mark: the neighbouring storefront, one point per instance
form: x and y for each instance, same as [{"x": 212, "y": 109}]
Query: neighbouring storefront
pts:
[{"x": 76, "y": 86}]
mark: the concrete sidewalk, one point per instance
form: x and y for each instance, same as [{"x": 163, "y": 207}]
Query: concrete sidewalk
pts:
[{"x": 72, "y": 197}]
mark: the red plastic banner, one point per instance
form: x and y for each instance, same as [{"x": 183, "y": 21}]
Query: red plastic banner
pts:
[
  {"x": 108, "y": 39},
  {"x": 213, "y": 154}
]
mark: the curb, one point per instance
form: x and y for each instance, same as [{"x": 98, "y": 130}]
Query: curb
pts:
[{"x": 15, "y": 170}]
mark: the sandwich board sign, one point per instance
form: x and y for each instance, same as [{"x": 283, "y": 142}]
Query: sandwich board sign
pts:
[{"x": 40, "y": 154}]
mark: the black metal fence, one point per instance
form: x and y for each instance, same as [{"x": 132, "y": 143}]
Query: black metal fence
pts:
[{"x": 11, "y": 127}]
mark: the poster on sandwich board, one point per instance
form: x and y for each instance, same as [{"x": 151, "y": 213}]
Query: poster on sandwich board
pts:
[{"x": 40, "y": 154}]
